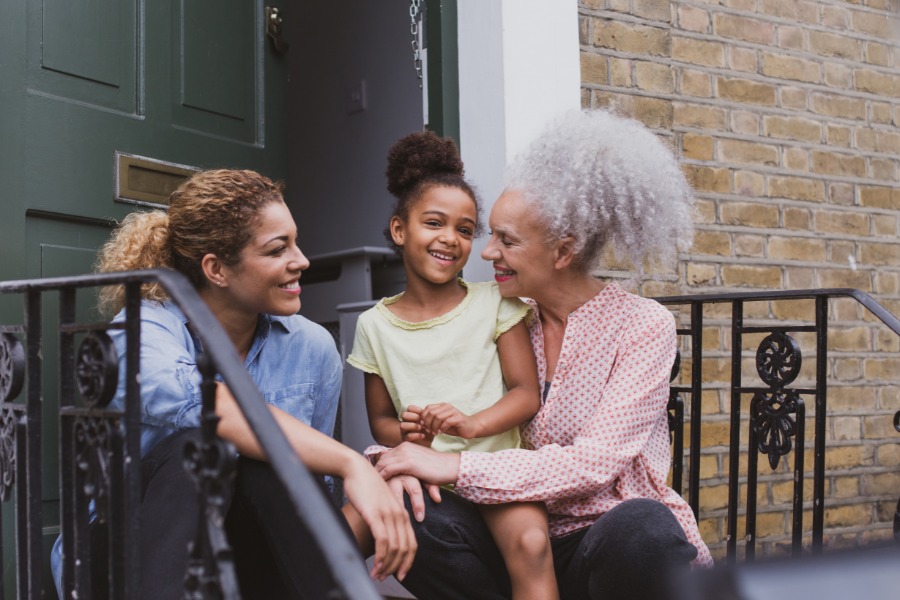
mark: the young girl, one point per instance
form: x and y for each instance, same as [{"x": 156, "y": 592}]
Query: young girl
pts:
[{"x": 449, "y": 363}]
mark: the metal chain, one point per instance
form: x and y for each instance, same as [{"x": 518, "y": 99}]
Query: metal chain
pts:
[{"x": 415, "y": 17}]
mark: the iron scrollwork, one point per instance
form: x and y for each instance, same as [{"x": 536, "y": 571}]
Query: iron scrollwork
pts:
[
  {"x": 12, "y": 367},
  {"x": 97, "y": 369},
  {"x": 9, "y": 420},
  {"x": 773, "y": 415},
  {"x": 93, "y": 449}
]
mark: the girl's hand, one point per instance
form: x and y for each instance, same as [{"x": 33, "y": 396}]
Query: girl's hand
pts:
[
  {"x": 395, "y": 542},
  {"x": 445, "y": 418},
  {"x": 431, "y": 466},
  {"x": 411, "y": 429}
]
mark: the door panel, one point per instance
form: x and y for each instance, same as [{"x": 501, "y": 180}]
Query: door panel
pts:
[
  {"x": 216, "y": 75},
  {"x": 75, "y": 54}
]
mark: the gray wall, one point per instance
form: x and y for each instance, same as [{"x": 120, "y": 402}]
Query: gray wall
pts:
[{"x": 336, "y": 185}]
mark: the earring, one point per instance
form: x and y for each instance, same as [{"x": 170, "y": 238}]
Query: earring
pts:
[{"x": 219, "y": 283}]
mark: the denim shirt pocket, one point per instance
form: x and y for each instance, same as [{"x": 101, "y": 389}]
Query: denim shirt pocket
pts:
[{"x": 298, "y": 400}]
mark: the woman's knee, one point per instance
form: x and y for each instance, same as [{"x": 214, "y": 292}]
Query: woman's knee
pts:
[{"x": 643, "y": 529}]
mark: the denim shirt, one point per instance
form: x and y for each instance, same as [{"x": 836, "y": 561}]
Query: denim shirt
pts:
[{"x": 293, "y": 361}]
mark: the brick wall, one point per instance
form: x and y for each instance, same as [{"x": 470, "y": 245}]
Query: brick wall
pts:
[{"x": 786, "y": 115}]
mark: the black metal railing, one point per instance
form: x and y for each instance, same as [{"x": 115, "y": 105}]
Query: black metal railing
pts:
[
  {"x": 777, "y": 412},
  {"x": 100, "y": 447}
]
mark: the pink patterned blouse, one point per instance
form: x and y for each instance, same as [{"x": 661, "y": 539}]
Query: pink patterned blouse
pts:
[{"x": 602, "y": 435}]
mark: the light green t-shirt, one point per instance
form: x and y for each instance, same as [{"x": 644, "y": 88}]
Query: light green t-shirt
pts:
[{"x": 452, "y": 358}]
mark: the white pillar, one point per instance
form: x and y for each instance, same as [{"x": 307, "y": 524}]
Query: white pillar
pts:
[{"x": 518, "y": 68}]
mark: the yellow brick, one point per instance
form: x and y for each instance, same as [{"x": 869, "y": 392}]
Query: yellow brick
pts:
[
  {"x": 846, "y": 516},
  {"x": 799, "y": 278},
  {"x": 620, "y": 72},
  {"x": 877, "y": 54},
  {"x": 747, "y": 152},
  {"x": 888, "y": 455},
  {"x": 887, "y": 369},
  {"x": 654, "y": 10},
  {"x": 593, "y": 68},
  {"x": 790, "y": 67},
  {"x": 784, "y": 248},
  {"x": 691, "y": 18},
  {"x": 743, "y": 121},
  {"x": 770, "y": 524},
  {"x": 700, "y": 274},
  {"x": 749, "y": 214},
  {"x": 796, "y": 218},
  {"x": 838, "y": 106},
  {"x": 850, "y": 339},
  {"x": 795, "y": 11},
  {"x": 712, "y": 242},
  {"x": 883, "y": 113},
  {"x": 883, "y": 168},
  {"x": 632, "y": 38},
  {"x": 796, "y": 188},
  {"x": 790, "y": 37},
  {"x": 837, "y": 135},
  {"x": 879, "y": 427},
  {"x": 833, "y": 44},
  {"x": 710, "y": 529},
  {"x": 696, "y": 83},
  {"x": 792, "y": 128},
  {"x": 832, "y": 163},
  {"x": 698, "y": 147},
  {"x": 708, "y": 179},
  {"x": 841, "y": 193},
  {"x": 838, "y": 76},
  {"x": 844, "y": 278},
  {"x": 783, "y": 492},
  {"x": 879, "y": 197},
  {"x": 743, "y": 59},
  {"x": 746, "y": 91},
  {"x": 835, "y": 17},
  {"x": 885, "y": 341},
  {"x": 796, "y": 159},
  {"x": 749, "y": 245},
  {"x": 654, "y": 77},
  {"x": 879, "y": 254},
  {"x": 713, "y": 498},
  {"x": 876, "y": 82},
  {"x": 751, "y": 276},
  {"x": 846, "y": 487},
  {"x": 874, "y": 24},
  {"x": 742, "y": 28},
  {"x": 748, "y": 183},
  {"x": 704, "y": 212},
  {"x": 847, "y": 369},
  {"x": 698, "y": 52},
  {"x": 699, "y": 115},
  {"x": 794, "y": 97},
  {"x": 794, "y": 310},
  {"x": 883, "y": 483},
  {"x": 655, "y": 113},
  {"x": 847, "y": 223},
  {"x": 889, "y": 285},
  {"x": 887, "y": 141}
]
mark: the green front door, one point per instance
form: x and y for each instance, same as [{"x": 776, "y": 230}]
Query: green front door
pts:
[{"x": 89, "y": 87}]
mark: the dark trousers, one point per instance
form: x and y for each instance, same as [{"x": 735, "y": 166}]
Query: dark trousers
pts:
[
  {"x": 274, "y": 553},
  {"x": 627, "y": 553}
]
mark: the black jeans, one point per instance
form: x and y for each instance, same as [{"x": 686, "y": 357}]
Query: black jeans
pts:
[
  {"x": 274, "y": 554},
  {"x": 626, "y": 554}
]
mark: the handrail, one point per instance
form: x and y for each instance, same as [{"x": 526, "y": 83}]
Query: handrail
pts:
[{"x": 349, "y": 572}]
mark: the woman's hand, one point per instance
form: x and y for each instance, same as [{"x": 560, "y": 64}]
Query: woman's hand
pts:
[
  {"x": 395, "y": 542},
  {"x": 412, "y": 487},
  {"x": 445, "y": 418},
  {"x": 439, "y": 468}
]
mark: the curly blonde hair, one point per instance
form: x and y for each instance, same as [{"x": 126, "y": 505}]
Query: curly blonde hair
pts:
[
  {"x": 607, "y": 180},
  {"x": 213, "y": 212}
]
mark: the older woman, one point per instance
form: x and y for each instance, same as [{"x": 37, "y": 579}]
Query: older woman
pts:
[
  {"x": 597, "y": 454},
  {"x": 231, "y": 234}
]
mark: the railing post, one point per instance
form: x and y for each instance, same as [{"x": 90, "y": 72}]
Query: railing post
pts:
[{"x": 818, "y": 516}]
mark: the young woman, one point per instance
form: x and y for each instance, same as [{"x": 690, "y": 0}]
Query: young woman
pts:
[
  {"x": 232, "y": 235},
  {"x": 597, "y": 454},
  {"x": 448, "y": 364}
]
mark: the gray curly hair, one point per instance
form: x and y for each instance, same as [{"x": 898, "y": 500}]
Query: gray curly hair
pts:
[{"x": 607, "y": 180}]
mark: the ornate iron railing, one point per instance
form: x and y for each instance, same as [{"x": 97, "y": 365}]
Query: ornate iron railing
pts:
[
  {"x": 100, "y": 447},
  {"x": 777, "y": 412}
]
